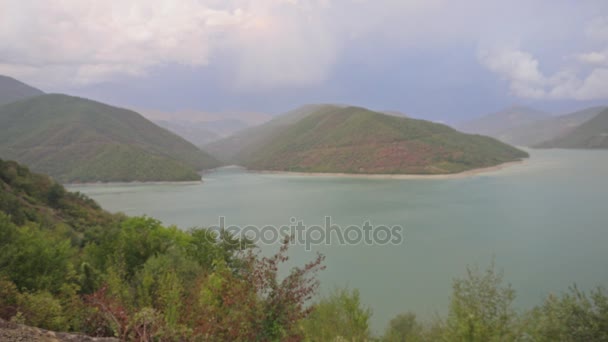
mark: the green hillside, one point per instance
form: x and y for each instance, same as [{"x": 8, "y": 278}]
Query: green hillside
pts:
[
  {"x": 79, "y": 140},
  {"x": 29, "y": 197},
  {"x": 235, "y": 147},
  {"x": 357, "y": 140},
  {"x": 12, "y": 90},
  {"x": 593, "y": 134}
]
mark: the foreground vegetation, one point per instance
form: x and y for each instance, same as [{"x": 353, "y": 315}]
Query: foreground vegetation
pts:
[{"x": 67, "y": 265}]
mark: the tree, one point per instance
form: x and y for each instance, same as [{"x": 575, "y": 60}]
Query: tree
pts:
[
  {"x": 403, "y": 328},
  {"x": 480, "y": 308},
  {"x": 573, "y": 316},
  {"x": 339, "y": 316}
]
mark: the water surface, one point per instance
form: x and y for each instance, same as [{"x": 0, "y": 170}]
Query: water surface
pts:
[{"x": 545, "y": 223}]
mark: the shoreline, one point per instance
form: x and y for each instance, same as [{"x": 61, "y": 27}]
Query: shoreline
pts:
[
  {"x": 134, "y": 183},
  {"x": 463, "y": 174}
]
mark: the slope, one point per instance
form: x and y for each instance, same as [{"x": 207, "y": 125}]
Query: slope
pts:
[
  {"x": 593, "y": 134},
  {"x": 545, "y": 130},
  {"x": 233, "y": 148},
  {"x": 12, "y": 90},
  {"x": 499, "y": 125},
  {"x": 357, "y": 140},
  {"x": 78, "y": 140}
]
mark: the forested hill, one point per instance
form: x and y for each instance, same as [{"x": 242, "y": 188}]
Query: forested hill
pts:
[
  {"x": 358, "y": 140},
  {"x": 79, "y": 140}
]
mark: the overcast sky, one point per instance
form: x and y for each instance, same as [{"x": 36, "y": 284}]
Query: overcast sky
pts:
[{"x": 437, "y": 59}]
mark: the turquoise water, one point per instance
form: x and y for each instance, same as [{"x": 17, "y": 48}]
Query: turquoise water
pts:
[{"x": 544, "y": 222}]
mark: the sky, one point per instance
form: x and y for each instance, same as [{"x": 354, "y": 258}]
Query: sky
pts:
[{"x": 442, "y": 60}]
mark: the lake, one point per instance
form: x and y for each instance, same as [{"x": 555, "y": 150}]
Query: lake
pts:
[{"x": 544, "y": 222}]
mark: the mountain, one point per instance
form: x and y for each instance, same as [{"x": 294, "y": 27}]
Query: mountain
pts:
[
  {"x": 198, "y": 133},
  {"x": 592, "y": 134},
  {"x": 356, "y": 140},
  {"x": 79, "y": 140},
  {"x": 242, "y": 143},
  {"x": 201, "y": 128},
  {"x": 12, "y": 90},
  {"x": 500, "y": 125},
  {"x": 547, "y": 129}
]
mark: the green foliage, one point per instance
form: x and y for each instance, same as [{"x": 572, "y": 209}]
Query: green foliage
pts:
[
  {"x": 79, "y": 140},
  {"x": 403, "y": 328},
  {"x": 339, "y": 316},
  {"x": 480, "y": 308},
  {"x": 42, "y": 309},
  {"x": 573, "y": 316},
  {"x": 35, "y": 259}
]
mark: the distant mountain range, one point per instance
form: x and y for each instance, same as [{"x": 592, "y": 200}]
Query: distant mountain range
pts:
[
  {"x": 79, "y": 140},
  {"x": 330, "y": 138},
  {"x": 528, "y": 127},
  {"x": 198, "y": 133},
  {"x": 591, "y": 134},
  {"x": 501, "y": 125},
  {"x": 231, "y": 149},
  {"x": 12, "y": 90},
  {"x": 201, "y": 128}
]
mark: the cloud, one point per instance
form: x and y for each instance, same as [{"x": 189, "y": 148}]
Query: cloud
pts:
[
  {"x": 92, "y": 41},
  {"x": 266, "y": 43},
  {"x": 594, "y": 57},
  {"x": 519, "y": 67},
  {"x": 272, "y": 42},
  {"x": 581, "y": 76},
  {"x": 526, "y": 80}
]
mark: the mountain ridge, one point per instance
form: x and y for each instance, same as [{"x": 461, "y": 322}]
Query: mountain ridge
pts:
[
  {"x": 357, "y": 140},
  {"x": 592, "y": 134},
  {"x": 13, "y": 90},
  {"x": 80, "y": 140}
]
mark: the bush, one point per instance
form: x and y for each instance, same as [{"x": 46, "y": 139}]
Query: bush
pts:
[{"x": 339, "y": 316}]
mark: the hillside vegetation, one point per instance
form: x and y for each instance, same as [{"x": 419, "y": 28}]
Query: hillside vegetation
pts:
[
  {"x": 234, "y": 148},
  {"x": 12, "y": 90},
  {"x": 592, "y": 134},
  {"x": 79, "y": 140},
  {"x": 67, "y": 265},
  {"x": 357, "y": 140}
]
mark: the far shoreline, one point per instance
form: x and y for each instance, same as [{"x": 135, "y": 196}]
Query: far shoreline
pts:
[
  {"x": 463, "y": 174},
  {"x": 134, "y": 183}
]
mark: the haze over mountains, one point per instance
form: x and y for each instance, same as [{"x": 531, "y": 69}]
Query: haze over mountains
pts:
[
  {"x": 528, "y": 127},
  {"x": 592, "y": 134},
  {"x": 501, "y": 124},
  {"x": 334, "y": 139},
  {"x": 13, "y": 90},
  {"x": 201, "y": 128}
]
